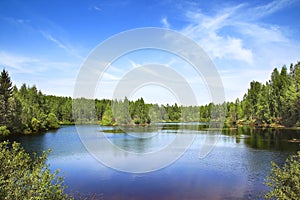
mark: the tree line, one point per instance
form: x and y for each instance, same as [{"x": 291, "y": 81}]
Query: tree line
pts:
[
  {"x": 275, "y": 102},
  {"x": 28, "y": 110}
]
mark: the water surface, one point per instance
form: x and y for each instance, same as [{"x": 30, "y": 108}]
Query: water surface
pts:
[{"x": 234, "y": 169}]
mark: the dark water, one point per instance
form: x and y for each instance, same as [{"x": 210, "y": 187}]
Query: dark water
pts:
[{"x": 234, "y": 169}]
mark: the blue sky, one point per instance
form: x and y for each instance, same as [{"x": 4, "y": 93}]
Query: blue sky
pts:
[{"x": 45, "y": 42}]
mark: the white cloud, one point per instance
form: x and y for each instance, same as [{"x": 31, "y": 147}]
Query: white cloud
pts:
[
  {"x": 30, "y": 65},
  {"x": 205, "y": 30},
  {"x": 261, "y": 33},
  {"x": 134, "y": 64},
  {"x": 165, "y": 22},
  {"x": 17, "y": 62},
  {"x": 61, "y": 44},
  {"x": 19, "y": 21},
  {"x": 58, "y": 43},
  {"x": 270, "y": 8},
  {"x": 240, "y": 43},
  {"x": 235, "y": 33},
  {"x": 97, "y": 8},
  {"x": 52, "y": 77}
]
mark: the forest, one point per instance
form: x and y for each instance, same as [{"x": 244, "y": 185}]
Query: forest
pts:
[{"x": 27, "y": 110}]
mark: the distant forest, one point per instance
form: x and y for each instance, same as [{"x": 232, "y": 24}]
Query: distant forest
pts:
[{"x": 27, "y": 110}]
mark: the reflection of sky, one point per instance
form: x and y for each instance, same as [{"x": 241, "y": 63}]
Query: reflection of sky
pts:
[{"x": 232, "y": 170}]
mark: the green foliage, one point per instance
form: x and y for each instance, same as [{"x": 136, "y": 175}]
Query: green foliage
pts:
[
  {"x": 27, "y": 110},
  {"x": 155, "y": 114},
  {"x": 173, "y": 112},
  {"x": 140, "y": 112},
  {"x": 277, "y": 101},
  {"x": 100, "y": 107},
  {"x": 84, "y": 110},
  {"x": 35, "y": 125},
  {"x": 121, "y": 112},
  {"x": 285, "y": 182},
  {"x": 108, "y": 118},
  {"x": 52, "y": 121},
  {"x": 6, "y": 100},
  {"x": 6, "y": 85},
  {"x": 4, "y": 131},
  {"x": 24, "y": 177}
]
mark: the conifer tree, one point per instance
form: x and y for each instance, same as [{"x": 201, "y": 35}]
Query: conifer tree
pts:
[{"x": 6, "y": 100}]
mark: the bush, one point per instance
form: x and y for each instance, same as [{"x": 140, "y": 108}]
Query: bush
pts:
[
  {"x": 27, "y": 177},
  {"x": 35, "y": 125},
  {"x": 52, "y": 121},
  {"x": 285, "y": 182},
  {"x": 4, "y": 131}
]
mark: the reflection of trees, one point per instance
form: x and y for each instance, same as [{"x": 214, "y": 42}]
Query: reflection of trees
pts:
[
  {"x": 257, "y": 138},
  {"x": 265, "y": 138},
  {"x": 32, "y": 143}
]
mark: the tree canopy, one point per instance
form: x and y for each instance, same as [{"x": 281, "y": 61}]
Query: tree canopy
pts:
[
  {"x": 23, "y": 176},
  {"x": 284, "y": 182},
  {"x": 28, "y": 110}
]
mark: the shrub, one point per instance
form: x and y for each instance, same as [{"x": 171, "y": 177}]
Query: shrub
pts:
[
  {"x": 27, "y": 177},
  {"x": 4, "y": 131},
  {"x": 285, "y": 182}
]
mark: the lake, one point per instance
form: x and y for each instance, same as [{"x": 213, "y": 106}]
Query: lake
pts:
[{"x": 235, "y": 168}]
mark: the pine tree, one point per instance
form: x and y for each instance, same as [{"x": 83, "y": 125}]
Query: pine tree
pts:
[
  {"x": 6, "y": 100},
  {"x": 108, "y": 117}
]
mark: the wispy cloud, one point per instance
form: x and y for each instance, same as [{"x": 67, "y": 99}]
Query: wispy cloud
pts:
[
  {"x": 134, "y": 64},
  {"x": 52, "y": 77},
  {"x": 103, "y": 5},
  {"x": 61, "y": 44},
  {"x": 165, "y": 23},
  {"x": 233, "y": 34},
  {"x": 270, "y": 8},
  {"x": 16, "y": 62},
  {"x": 21, "y": 21},
  {"x": 238, "y": 40},
  {"x": 51, "y": 27},
  {"x": 205, "y": 30},
  {"x": 97, "y": 8},
  {"x": 51, "y": 38},
  {"x": 30, "y": 65},
  {"x": 13, "y": 20}
]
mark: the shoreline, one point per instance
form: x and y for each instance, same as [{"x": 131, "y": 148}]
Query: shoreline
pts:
[{"x": 226, "y": 125}]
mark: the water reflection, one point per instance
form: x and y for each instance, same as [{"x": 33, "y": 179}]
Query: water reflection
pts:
[
  {"x": 265, "y": 138},
  {"x": 234, "y": 169}
]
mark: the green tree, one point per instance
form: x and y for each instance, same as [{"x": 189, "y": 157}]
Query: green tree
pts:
[
  {"x": 279, "y": 82},
  {"x": 155, "y": 114},
  {"x": 141, "y": 111},
  {"x": 6, "y": 100},
  {"x": 121, "y": 111},
  {"x": 27, "y": 177},
  {"x": 263, "y": 110},
  {"x": 4, "y": 131},
  {"x": 231, "y": 113},
  {"x": 52, "y": 121},
  {"x": 174, "y": 112},
  {"x": 108, "y": 118},
  {"x": 251, "y": 99},
  {"x": 35, "y": 125},
  {"x": 285, "y": 182},
  {"x": 17, "y": 126},
  {"x": 190, "y": 113},
  {"x": 238, "y": 109},
  {"x": 291, "y": 98}
]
